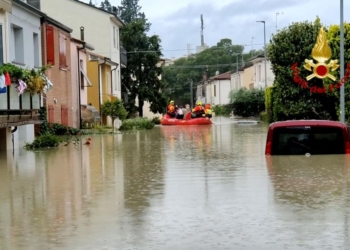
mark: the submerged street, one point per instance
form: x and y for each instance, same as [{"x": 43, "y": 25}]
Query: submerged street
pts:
[{"x": 176, "y": 187}]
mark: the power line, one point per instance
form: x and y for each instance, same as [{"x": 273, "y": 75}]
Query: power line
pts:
[{"x": 165, "y": 50}]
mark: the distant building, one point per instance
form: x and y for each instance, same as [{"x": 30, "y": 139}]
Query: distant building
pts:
[{"x": 201, "y": 48}]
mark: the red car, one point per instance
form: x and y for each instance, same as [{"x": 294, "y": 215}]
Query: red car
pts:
[{"x": 299, "y": 137}]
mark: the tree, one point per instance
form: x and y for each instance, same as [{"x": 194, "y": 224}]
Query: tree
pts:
[
  {"x": 106, "y": 5},
  {"x": 198, "y": 67},
  {"x": 130, "y": 11},
  {"x": 114, "y": 109},
  {"x": 290, "y": 100},
  {"x": 141, "y": 77},
  {"x": 90, "y": 3}
]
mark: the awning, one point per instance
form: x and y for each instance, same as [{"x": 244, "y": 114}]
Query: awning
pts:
[
  {"x": 6, "y": 5},
  {"x": 85, "y": 76}
]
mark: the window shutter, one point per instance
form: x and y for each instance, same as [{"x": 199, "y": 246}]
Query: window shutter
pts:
[
  {"x": 50, "y": 45},
  {"x": 63, "y": 62}
]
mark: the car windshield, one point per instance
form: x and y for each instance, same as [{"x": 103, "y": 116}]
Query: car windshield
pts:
[{"x": 306, "y": 139}]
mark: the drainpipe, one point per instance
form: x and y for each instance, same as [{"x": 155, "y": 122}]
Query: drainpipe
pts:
[
  {"x": 99, "y": 86},
  {"x": 79, "y": 83},
  {"x": 112, "y": 79}
]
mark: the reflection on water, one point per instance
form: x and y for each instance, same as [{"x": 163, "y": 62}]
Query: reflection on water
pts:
[{"x": 189, "y": 187}]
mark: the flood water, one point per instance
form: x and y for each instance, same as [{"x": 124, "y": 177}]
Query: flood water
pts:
[{"x": 200, "y": 187}]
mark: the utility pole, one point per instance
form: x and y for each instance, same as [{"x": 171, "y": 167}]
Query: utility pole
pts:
[
  {"x": 191, "y": 94},
  {"x": 237, "y": 70},
  {"x": 202, "y": 33},
  {"x": 277, "y": 13},
  {"x": 342, "y": 101},
  {"x": 265, "y": 52}
]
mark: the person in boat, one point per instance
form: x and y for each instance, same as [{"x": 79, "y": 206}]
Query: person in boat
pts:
[
  {"x": 198, "y": 111},
  {"x": 180, "y": 113},
  {"x": 207, "y": 110},
  {"x": 171, "y": 109}
]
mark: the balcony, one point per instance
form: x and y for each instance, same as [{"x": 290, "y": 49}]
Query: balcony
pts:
[{"x": 18, "y": 110}]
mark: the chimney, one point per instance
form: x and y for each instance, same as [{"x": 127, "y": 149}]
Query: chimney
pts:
[
  {"x": 82, "y": 33},
  {"x": 34, "y": 3}
]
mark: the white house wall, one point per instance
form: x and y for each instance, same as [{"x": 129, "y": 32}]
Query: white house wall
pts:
[
  {"x": 29, "y": 24},
  {"x": 115, "y": 57},
  {"x": 259, "y": 75},
  {"x": 221, "y": 95},
  {"x": 30, "y": 54}
]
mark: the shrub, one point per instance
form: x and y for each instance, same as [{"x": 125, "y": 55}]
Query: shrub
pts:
[
  {"x": 137, "y": 123},
  {"x": 156, "y": 120},
  {"x": 224, "y": 110},
  {"x": 247, "y": 102},
  {"x": 44, "y": 141},
  {"x": 114, "y": 109}
]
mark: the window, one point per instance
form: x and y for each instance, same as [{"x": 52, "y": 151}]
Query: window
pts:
[
  {"x": 302, "y": 140},
  {"x": 83, "y": 77},
  {"x": 50, "y": 46},
  {"x": 18, "y": 44},
  {"x": 36, "y": 50},
  {"x": 259, "y": 73},
  {"x": 117, "y": 37},
  {"x": 114, "y": 37},
  {"x": 1, "y": 47},
  {"x": 63, "y": 56},
  {"x": 214, "y": 90},
  {"x": 116, "y": 77},
  {"x": 108, "y": 84}
]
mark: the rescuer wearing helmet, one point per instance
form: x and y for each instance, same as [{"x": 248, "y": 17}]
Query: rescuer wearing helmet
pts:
[
  {"x": 207, "y": 110},
  {"x": 171, "y": 109},
  {"x": 198, "y": 111}
]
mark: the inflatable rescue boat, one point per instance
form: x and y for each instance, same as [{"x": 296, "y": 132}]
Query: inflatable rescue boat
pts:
[{"x": 167, "y": 120}]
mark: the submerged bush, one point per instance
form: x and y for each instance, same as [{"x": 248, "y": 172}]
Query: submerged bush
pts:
[
  {"x": 137, "y": 123},
  {"x": 224, "y": 110},
  {"x": 44, "y": 141},
  {"x": 156, "y": 120},
  {"x": 248, "y": 102}
]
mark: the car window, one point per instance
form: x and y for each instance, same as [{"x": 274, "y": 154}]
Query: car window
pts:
[{"x": 302, "y": 140}]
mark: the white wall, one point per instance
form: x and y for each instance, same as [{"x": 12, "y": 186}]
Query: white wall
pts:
[
  {"x": 221, "y": 94},
  {"x": 236, "y": 81},
  {"x": 259, "y": 74},
  {"x": 27, "y": 51},
  {"x": 29, "y": 24},
  {"x": 98, "y": 29},
  {"x": 115, "y": 57}
]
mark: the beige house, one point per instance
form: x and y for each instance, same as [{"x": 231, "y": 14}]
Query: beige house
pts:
[
  {"x": 259, "y": 72},
  {"x": 248, "y": 76}
]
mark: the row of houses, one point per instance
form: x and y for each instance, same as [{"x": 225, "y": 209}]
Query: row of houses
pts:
[
  {"x": 216, "y": 89},
  {"x": 81, "y": 44}
]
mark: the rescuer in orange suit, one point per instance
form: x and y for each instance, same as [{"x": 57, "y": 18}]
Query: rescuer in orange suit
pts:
[
  {"x": 198, "y": 111},
  {"x": 171, "y": 109},
  {"x": 207, "y": 111}
]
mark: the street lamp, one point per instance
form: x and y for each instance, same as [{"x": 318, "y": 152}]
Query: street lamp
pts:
[
  {"x": 265, "y": 51},
  {"x": 342, "y": 102},
  {"x": 277, "y": 13}
]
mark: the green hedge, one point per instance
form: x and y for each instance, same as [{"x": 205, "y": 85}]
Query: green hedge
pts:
[
  {"x": 137, "y": 123},
  {"x": 247, "y": 102}
]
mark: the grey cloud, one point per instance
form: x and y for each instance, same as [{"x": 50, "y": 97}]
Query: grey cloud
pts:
[{"x": 236, "y": 21}]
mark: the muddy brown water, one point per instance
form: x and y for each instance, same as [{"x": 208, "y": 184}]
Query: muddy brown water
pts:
[{"x": 200, "y": 187}]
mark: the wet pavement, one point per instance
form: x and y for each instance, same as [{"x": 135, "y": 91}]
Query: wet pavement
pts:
[{"x": 194, "y": 187}]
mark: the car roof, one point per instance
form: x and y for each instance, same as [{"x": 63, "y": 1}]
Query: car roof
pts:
[{"x": 295, "y": 123}]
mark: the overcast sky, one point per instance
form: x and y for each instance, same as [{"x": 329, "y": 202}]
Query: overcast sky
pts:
[{"x": 177, "y": 22}]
